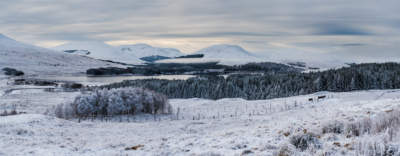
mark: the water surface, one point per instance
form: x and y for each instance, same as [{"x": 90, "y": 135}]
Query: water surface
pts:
[{"x": 102, "y": 80}]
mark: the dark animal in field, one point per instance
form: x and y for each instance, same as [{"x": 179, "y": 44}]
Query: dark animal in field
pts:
[
  {"x": 321, "y": 97},
  {"x": 310, "y": 99}
]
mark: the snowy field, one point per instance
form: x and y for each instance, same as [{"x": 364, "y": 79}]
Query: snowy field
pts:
[{"x": 224, "y": 127}]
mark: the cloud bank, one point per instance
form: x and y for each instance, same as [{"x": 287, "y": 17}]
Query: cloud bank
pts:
[{"x": 367, "y": 28}]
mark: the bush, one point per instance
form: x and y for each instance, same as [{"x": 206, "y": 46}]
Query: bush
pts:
[
  {"x": 333, "y": 127},
  {"x": 285, "y": 150},
  {"x": 208, "y": 154},
  {"x": 245, "y": 152},
  {"x": 358, "y": 128},
  {"x": 13, "y": 72},
  {"x": 303, "y": 141}
]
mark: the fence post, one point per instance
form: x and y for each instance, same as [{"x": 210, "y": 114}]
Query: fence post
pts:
[
  {"x": 270, "y": 107},
  {"x": 285, "y": 105}
]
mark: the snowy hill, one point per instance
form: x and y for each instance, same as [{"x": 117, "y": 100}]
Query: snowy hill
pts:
[
  {"x": 311, "y": 59},
  {"x": 125, "y": 53},
  {"x": 98, "y": 50},
  {"x": 143, "y": 50},
  {"x": 37, "y": 60},
  {"x": 229, "y": 54}
]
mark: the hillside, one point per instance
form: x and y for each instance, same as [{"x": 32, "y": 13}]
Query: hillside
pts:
[
  {"x": 96, "y": 49},
  {"x": 37, "y": 60},
  {"x": 229, "y": 54},
  {"x": 311, "y": 59},
  {"x": 126, "y": 53},
  {"x": 143, "y": 50}
]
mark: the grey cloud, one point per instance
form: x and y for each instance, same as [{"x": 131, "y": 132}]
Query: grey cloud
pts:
[
  {"x": 215, "y": 34},
  {"x": 333, "y": 29},
  {"x": 354, "y": 44},
  {"x": 322, "y": 25},
  {"x": 255, "y": 41}
]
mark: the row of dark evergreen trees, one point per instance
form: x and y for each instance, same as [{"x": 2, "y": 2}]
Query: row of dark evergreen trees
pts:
[{"x": 268, "y": 86}]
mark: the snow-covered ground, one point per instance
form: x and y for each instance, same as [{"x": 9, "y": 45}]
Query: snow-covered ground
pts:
[{"x": 224, "y": 126}]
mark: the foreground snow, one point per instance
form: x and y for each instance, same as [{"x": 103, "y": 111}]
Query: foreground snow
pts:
[{"x": 263, "y": 133}]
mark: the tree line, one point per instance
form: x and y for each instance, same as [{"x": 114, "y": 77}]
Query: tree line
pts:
[
  {"x": 195, "y": 68},
  {"x": 275, "y": 85}
]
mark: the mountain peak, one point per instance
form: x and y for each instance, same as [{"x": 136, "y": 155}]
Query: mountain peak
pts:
[
  {"x": 223, "y": 50},
  {"x": 4, "y": 37}
]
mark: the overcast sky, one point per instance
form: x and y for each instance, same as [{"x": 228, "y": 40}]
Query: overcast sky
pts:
[{"x": 367, "y": 27}]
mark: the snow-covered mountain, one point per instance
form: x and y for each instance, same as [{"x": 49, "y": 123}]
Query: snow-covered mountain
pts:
[
  {"x": 125, "y": 53},
  {"x": 233, "y": 54},
  {"x": 37, "y": 60},
  {"x": 96, "y": 49},
  {"x": 229, "y": 54},
  {"x": 143, "y": 50}
]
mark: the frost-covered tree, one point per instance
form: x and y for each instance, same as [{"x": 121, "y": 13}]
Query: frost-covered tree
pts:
[{"x": 115, "y": 102}]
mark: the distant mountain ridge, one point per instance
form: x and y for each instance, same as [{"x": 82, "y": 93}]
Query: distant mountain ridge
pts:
[
  {"x": 224, "y": 51},
  {"x": 227, "y": 54},
  {"x": 124, "y": 53},
  {"x": 37, "y": 60}
]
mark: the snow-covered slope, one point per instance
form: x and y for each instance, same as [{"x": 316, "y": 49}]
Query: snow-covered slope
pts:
[
  {"x": 125, "y": 53},
  {"x": 37, "y": 60},
  {"x": 229, "y": 54},
  {"x": 225, "y": 127},
  {"x": 143, "y": 50},
  {"x": 97, "y": 50},
  {"x": 312, "y": 59}
]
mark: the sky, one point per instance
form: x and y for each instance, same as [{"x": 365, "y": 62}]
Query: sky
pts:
[{"x": 355, "y": 28}]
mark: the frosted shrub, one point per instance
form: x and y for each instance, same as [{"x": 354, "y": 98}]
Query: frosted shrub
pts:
[
  {"x": 358, "y": 128},
  {"x": 377, "y": 145},
  {"x": 58, "y": 111},
  {"x": 210, "y": 153},
  {"x": 303, "y": 141},
  {"x": 333, "y": 127},
  {"x": 286, "y": 150}
]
